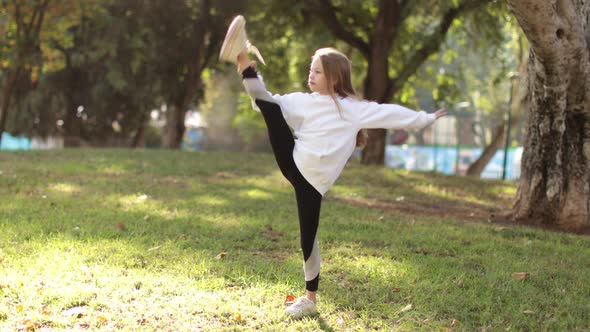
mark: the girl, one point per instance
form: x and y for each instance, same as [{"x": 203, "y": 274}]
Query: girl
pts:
[{"x": 327, "y": 125}]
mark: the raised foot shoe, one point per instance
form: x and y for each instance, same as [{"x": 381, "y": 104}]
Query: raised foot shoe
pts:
[
  {"x": 236, "y": 41},
  {"x": 302, "y": 307}
]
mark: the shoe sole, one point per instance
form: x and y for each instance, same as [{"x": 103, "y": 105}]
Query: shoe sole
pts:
[{"x": 229, "y": 46}]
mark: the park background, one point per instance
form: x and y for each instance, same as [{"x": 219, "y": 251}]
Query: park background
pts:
[{"x": 137, "y": 191}]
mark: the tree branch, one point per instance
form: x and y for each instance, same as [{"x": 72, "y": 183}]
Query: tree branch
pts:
[
  {"x": 325, "y": 10},
  {"x": 432, "y": 43}
]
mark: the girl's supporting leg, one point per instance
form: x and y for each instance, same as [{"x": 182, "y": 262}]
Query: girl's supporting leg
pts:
[
  {"x": 308, "y": 198},
  {"x": 309, "y": 202}
]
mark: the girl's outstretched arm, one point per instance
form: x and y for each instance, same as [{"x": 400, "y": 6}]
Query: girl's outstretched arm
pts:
[{"x": 392, "y": 116}]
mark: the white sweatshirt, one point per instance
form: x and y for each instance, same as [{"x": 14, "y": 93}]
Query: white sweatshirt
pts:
[{"x": 325, "y": 137}]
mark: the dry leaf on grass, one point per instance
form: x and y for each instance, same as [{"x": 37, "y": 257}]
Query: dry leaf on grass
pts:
[
  {"x": 45, "y": 311},
  {"x": 351, "y": 314},
  {"x": 221, "y": 255},
  {"x": 521, "y": 275},
  {"x": 75, "y": 311},
  {"x": 120, "y": 226},
  {"x": 407, "y": 308},
  {"x": 27, "y": 325},
  {"x": 290, "y": 299}
]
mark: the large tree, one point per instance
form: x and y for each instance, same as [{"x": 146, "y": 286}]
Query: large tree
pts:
[
  {"x": 189, "y": 35},
  {"x": 413, "y": 30},
  {"x": 20, "y": 47},
  {"x": 554, "y": 187}
]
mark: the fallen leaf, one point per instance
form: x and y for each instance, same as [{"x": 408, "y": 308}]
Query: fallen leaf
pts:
[
  {"x": 74, "y": 311},
  {"x": 83, "y": 326},
  {"x": 26, "y": 325},
  {"x": 396, "y": 289},
  {"x": 120, "y": 226},
  {"x": 520, "y": 275},
  {"x": 45, "y": 310},
  {"x": 238, "y": 317},
  {"x": 407, "y": 308},
  {"x": 351, "y": 314},
  {"x": 221, "y": 255},
  {"x": 102, "y": 318},
  {"x": 20, "y": 307},
  {"x": 154, "y": 248},
  {"x": 460, "y": 283},
  {"x": 290, "y": 299},
  {"x": 453, "y": 323},
  {"x": 528, "y": 312}
]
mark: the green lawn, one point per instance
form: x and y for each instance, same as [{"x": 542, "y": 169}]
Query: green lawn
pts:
[{"x": 133, "y": 241}]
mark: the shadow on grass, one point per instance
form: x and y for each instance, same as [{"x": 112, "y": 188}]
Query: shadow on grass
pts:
[{"x": 378, "y": 260}]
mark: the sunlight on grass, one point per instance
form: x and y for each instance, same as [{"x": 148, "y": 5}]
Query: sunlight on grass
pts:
[
  {"x": 134, "y": 242},
  {"x": 144, "y": 204},
  {"x": 213, "y": 200},
  {"x": 112, "y": 169},
  {"x": 436, "y": 191},
  {"x": 255, "y": 193},
  {"x": 65, "y": 188}
]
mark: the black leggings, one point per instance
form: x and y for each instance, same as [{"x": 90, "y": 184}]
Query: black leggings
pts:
[{"x": 309, "y": 200}]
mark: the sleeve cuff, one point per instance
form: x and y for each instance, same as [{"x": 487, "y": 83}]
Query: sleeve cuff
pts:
[{"x": 249, "y": 73}]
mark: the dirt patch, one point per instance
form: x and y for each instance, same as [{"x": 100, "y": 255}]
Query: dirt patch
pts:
[
  {"x": 465, "y": 211},
  {"x": 468, "y": 212}
]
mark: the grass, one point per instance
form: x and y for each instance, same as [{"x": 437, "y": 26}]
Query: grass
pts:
[{"x": 133, "y": 240}]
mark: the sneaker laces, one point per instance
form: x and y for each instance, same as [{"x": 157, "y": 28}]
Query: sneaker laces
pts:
[{"x": 252, "y": 49}]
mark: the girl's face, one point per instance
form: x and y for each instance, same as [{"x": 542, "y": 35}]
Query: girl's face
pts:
[{"x": 317, "y": 79}]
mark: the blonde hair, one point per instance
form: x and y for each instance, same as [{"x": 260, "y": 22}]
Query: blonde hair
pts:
[{"x": 338, "y": 78}]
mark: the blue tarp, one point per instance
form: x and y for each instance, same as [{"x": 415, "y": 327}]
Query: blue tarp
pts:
[
  {"x": 444, "y": 160},
  {"x": 10, "y": 142}
]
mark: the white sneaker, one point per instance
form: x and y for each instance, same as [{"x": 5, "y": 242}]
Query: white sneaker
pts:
[
  {"x": 302, "y": 307},
  {"x": 236, "y": 41}
]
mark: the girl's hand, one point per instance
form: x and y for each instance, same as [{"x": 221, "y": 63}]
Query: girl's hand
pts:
[{"x": 440, "y": 113}]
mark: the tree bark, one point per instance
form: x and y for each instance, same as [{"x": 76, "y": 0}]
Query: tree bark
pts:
[
  {"x": 554, "y": 187},
  {"x": 488, "y": 153},
  {"x": 175, "y": 127},
  {"x": 377, "y": 85},
  {"x": 27, "y": 34},
  {"x": 7, "y": 91}
]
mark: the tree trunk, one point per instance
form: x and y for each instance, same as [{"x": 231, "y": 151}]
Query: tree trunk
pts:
[
  {"x": 376, "y": 89},
  {"x": 7, "y": 91},
  {"x": 138, "y": 140},
  {"x": 174, "y": 130},
  {"x": 175, "y": 127},
  {"x": 378, "y": 85},
  {"x": 554, "y": 187},
  {"x": 488, "y": 153}
]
